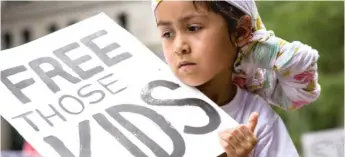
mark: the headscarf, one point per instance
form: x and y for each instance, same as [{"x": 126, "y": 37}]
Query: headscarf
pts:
[{"x": 282, "y": 73}]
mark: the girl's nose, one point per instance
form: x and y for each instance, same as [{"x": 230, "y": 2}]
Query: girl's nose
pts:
[{"x": 181, "y": 47}]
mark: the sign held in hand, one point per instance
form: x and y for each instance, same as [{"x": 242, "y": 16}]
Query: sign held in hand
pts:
[{"x": 92, "y": 89}]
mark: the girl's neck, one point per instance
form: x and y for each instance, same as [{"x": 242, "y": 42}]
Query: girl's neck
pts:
[{"x": 219, "y": 89}]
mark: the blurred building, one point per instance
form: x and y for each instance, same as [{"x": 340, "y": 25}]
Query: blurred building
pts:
[{"x": 24, "y": 21}]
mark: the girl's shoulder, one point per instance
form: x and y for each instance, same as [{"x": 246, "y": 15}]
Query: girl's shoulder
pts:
[{"x": 245, "y": 103}]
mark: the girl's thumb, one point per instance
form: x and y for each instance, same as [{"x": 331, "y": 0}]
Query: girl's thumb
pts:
[{"x": 252, "y": 121}]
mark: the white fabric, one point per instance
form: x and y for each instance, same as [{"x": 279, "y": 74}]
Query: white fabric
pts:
[
  {"x": 273, "y": 137},
  {"x": 249, "y": 8}
]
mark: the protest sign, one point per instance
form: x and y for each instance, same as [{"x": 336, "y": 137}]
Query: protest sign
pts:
[
  {"x": 327, "y": 143},
  {"x": 92, "y": 89}
]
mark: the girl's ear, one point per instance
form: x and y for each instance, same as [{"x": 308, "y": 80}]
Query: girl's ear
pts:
[{"x": 244, "y": 30}]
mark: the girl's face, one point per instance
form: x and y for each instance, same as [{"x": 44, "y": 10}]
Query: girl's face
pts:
[{"x": 195, "y": 41}]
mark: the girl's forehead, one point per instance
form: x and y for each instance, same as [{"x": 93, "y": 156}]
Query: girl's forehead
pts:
[{"x": 179, "y": 9}]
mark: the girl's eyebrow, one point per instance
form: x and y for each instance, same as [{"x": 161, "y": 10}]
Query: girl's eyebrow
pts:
[
  {"x": 163, "y": 23},
  {"x": 182, "y": 19}
]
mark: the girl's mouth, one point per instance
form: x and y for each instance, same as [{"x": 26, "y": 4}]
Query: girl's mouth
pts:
[{"x": 185, "y": 64}]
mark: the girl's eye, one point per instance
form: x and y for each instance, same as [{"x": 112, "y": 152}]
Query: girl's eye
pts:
[
  {"x": 194, "y": 28},
  {"x": 167, "y": 35}
]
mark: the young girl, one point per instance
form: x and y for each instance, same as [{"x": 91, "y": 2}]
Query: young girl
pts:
[
  {"x": 223, "y": 49},
  {"x": 213, "y": 45}
]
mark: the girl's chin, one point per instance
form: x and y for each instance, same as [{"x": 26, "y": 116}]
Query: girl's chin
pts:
[{"x": 193, "y": 82}]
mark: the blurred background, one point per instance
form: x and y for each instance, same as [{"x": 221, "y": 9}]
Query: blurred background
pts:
[{"x": 318, "y": 24}]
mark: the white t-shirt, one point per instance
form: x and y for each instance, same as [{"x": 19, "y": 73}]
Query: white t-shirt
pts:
[{"x": 273, "y": 137}]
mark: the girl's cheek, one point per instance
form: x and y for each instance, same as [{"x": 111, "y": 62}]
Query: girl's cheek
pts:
[
  {"x": 167, "y": 56},
  {"x": 169, "y": 59}
]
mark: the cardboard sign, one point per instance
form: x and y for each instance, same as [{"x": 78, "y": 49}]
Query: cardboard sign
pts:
[
  {"x": 329, "y": 143},
  {"x": 93, "y": 89}
]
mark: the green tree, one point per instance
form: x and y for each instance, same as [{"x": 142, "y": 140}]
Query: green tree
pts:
[{"x": 318, "y": 24}]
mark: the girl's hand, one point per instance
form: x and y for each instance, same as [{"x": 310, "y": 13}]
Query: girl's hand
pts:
[{"x": 239, "y": 141}]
